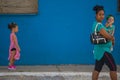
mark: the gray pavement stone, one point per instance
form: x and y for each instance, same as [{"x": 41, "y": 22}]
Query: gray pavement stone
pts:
[{"x": 55, "y": 68}]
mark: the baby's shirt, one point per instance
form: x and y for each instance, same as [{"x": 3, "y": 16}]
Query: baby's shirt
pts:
[{"x": 110, "y": 29}]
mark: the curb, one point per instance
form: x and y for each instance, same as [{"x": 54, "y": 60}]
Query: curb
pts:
[{"x": 42, "y": 74}]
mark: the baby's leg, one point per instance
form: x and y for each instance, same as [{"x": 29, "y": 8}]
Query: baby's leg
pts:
[{"x": 111, "y": 48}]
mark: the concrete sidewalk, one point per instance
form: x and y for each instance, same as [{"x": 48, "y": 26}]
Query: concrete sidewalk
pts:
[{"x": 53, "y": 72}]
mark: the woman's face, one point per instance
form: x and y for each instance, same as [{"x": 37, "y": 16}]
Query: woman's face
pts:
[{"x": 100, "y": 16}]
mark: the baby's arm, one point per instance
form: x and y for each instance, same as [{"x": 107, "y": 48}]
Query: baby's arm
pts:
[
  {"x": 15, "y": 41},
  {"x": 107, "y": 24}
]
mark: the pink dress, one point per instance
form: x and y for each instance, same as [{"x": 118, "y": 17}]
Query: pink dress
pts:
[{"x": 12, "y": 45}]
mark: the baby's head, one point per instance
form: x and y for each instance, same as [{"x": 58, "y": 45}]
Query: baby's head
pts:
[
  {"x": 110, "y": 19},
  {"x": 13, "y": 27}
]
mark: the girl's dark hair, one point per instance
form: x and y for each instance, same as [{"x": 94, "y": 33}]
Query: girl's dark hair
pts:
[
  {"x": 12, "y": 25},
  {"x": 109, "y": 16},
  {"x": 98, "y": 8}
]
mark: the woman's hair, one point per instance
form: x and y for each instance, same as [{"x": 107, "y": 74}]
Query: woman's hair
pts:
[
  {"x": 12, "y": 25},
  {"x": 109, "y": 16},
  {"x": 98, "y": 8}
]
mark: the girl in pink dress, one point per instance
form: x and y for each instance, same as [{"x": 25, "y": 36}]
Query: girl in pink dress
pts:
[{"x": 14, "y": 50}]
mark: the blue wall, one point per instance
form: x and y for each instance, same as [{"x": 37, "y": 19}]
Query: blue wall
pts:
[{"x": 59, "y": 34}]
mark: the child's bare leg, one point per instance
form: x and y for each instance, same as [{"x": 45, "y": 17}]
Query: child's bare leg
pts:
[{"x": 12, "y": 57}]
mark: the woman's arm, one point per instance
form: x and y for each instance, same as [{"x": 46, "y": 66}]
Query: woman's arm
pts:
[
  {"x": 106, "y": 35},
  {"x": 15, "y": 41}
]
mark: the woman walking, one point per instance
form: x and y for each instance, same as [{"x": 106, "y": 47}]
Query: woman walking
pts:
[{"x": 102, "y": 52}]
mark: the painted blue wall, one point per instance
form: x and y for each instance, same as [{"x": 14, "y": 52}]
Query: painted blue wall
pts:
[{"x": 58, "y": 34}]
